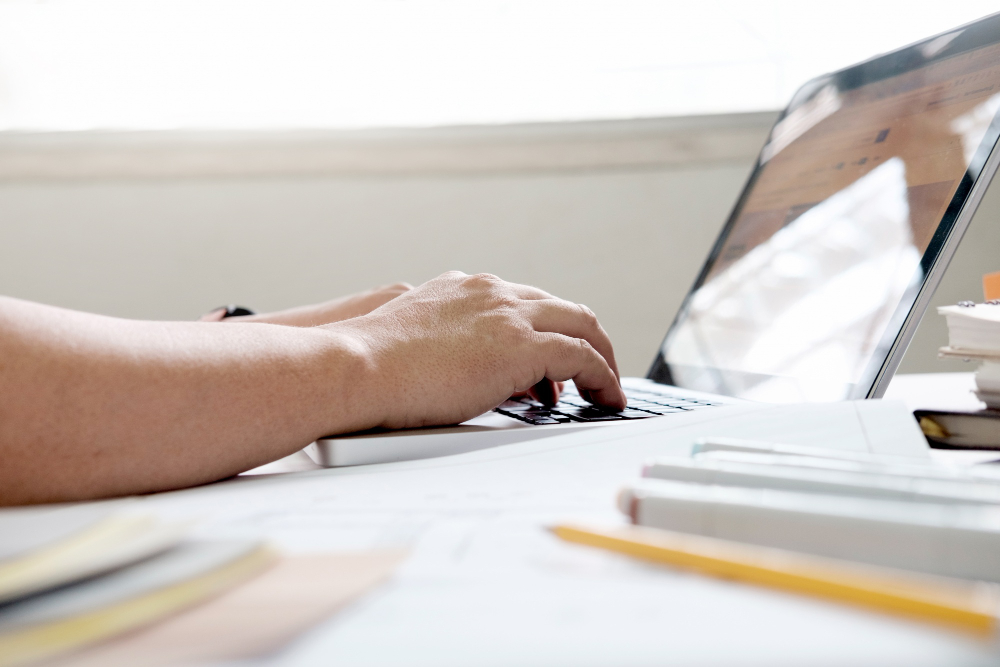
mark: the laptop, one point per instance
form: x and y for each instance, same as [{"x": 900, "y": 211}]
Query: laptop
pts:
[{"x": 818, "y": 279}]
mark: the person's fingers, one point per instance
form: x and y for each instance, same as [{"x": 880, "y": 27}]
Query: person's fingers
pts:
[
  {"x": 572, "y": 319},
  {"x": 546, "y": 392},
  {"x": 369, "y": 301},
  {"x": 217, "y": 315},
  {"x": 376, "y": 299},
  {"x": 571, "y": 358},
  {"x": 529, "y": 293},
  {"x": 397, "y": 288}
]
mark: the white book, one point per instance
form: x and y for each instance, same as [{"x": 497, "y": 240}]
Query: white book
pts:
[
  {"x": 974, "y": 328},
  {"x": 982, "y": 474},
  {"x": 724, "y": 444},
  {"x": 770, "y": 474},
  {"x": 988, "y": 383},
  {"x": 948, "y": 539},
  {"x": 974, "y": 333},
  {"x": 988, "y": 377}
]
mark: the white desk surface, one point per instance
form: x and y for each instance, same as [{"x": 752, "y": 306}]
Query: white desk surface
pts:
[{"x": 487, "y": 585}]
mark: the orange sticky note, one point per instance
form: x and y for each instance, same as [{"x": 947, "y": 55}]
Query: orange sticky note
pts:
[{"x": 991, "y": 286}]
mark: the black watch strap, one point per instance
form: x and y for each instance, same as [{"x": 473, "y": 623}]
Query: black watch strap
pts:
[
  {"x": 222, "y": 312},
  {"x": 235, "y": 311}
]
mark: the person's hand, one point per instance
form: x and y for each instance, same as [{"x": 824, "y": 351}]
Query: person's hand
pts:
[
  {"x": 459, "y": 345},
  {"x": 335, "y": 310}
]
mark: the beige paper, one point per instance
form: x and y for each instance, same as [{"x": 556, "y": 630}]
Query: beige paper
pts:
[{"x": 256, "y": 618}]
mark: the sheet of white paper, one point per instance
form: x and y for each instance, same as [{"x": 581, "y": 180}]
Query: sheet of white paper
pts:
[
  {"x": 390, "y": 504},
  {"x": 890, "y": 428},
  {"x": 488, "y": 585}
]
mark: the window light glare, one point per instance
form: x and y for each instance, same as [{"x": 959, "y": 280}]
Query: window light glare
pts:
[{"x": 235, "y": 64}]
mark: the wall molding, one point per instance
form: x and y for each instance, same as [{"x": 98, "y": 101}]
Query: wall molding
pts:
[{"x": 566, "y": 146}]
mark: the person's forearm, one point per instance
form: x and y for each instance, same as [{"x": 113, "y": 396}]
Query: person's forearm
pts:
[
  {"x": 92, "y": 406},
  {"x": 335, "y": 310}
]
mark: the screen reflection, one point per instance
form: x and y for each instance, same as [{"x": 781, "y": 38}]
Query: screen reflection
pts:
[{"x": 829, "y": 237}]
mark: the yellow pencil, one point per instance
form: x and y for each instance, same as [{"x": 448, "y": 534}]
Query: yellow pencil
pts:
[{"x": 971, "y": 605}]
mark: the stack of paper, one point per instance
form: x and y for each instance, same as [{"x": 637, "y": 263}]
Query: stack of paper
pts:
[
  {"x": 70, "y": 577},
  {"x": 45, "y": 549},
  {"x": 900, "y": 512},
  {"x": 250, "y": 621},
  {"x": 974, "y": 333}
]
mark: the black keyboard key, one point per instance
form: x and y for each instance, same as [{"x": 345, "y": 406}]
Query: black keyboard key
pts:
[
  {"x": 602, "y": 417},
  {"x": 541, "y": 421},
  {"x": 664, "y": 410},
  {"x": 537, "y": 416},
  {"x": 591, "y": 414},
  {"x": 520, "y": 407},
  {"x": 571, "y": 407},
  {"x": 545, "y": 414}
]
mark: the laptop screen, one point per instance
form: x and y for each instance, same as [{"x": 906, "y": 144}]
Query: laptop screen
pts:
[{"x": 854, "y": 199}]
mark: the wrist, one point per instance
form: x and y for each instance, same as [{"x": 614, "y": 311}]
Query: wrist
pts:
[{"x": 350, "y": 386}]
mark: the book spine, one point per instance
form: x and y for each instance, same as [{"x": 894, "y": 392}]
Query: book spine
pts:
[{"x": 943, "y": 549}]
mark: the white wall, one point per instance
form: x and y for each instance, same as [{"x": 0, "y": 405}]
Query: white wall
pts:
[{"x": 624, "y": 233}]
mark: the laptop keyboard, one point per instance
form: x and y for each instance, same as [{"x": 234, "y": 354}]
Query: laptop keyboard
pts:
[{"x": 642, "y": 404}]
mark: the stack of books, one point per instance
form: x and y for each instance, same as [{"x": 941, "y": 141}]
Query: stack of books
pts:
[
  {"x": 74, "y": 576},
  {"x": 973, "y": 335},
  {"x": 906, "y": 535}
]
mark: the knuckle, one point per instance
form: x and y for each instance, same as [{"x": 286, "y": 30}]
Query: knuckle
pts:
[
  {"x": 483, "y": 280},
  {"x": 572, "y": 352},
  {"x": 518, "y": 335},
  {"x": 501, "y": 320},
  {"x": 505, "y": 334},
  {"x": 588, "y": 315},
  {"x": 496, "y": 292},
  {"x": 506, "y": 300}
]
